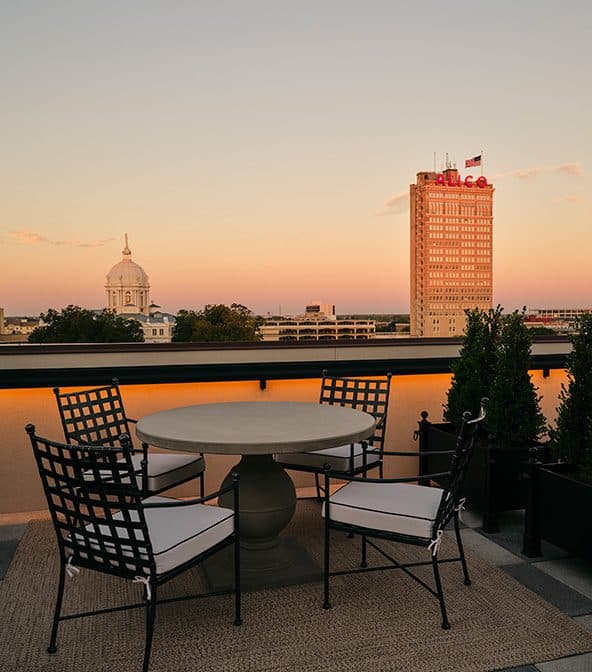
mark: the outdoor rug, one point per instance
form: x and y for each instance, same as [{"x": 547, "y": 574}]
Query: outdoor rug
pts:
[{"x": 379, "y": 621}]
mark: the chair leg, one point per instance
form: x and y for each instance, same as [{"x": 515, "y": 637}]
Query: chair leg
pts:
[
  {"x": 445, "y": 623},
  {"x": 461, "y": 551},
  {"x": 52, "y": 648},
  {"x": 237, "y": 583},
  {"x": 326, "y": 603},
  {"x": 364, "y": 562},
  {"x": 150, "y": 617},
  {"x": 318, "y": 487}
]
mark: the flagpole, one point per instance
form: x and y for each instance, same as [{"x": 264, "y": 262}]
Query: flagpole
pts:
[{"x": 482, "y": 161}]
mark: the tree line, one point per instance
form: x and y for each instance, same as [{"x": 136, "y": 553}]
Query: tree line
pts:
[{"x": 214, "y": 323}]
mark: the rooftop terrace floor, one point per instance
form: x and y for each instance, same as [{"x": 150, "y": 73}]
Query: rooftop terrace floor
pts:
[{"x": 560, "y": 579}]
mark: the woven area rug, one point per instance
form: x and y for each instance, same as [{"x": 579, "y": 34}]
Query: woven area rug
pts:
[{"x": 379, "y": 621}]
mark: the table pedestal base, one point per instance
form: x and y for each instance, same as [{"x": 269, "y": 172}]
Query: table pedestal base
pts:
[
  {"x": 267, "y": 501},
  {"x": 287, "y": 563}
]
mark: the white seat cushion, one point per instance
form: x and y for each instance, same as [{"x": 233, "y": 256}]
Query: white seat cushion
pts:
[
  {"x": 164, "y": 470},
  {"x": 178, "y": 533},
  {"x": 402, "y": 508},
  {"x": 339, "y": 459}
]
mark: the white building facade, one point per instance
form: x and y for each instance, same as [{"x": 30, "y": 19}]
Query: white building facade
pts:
[
  {"x": 128, "y": 294},
  {"x": 318, "y": 323}
]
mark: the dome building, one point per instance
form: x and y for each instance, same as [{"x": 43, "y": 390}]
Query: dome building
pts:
[
  {"x": 128, "y": 294},
  {"x": 127, "y": 287}
]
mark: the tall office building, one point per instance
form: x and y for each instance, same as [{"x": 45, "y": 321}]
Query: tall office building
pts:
[{"x": 451, "y": 251}]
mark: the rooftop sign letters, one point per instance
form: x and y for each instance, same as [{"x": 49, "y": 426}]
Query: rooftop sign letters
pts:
[{"x": 449, "y": 181}]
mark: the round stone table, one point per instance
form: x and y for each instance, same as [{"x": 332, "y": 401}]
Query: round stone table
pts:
[{"x": 257, "y": 431}]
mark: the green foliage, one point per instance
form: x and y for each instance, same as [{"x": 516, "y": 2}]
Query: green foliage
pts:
[
  {"x": 571, "y": 440},
  {"x": 493, "y": 362},
  {"x": 184, "y": 322},
  {"x": 79, "y": 325},
  {"x": 514, "y": 415},
  {"x": 217, "y": 323},
  {"x": 542, "y": 331},
  {"x": 475, "y": 368}
]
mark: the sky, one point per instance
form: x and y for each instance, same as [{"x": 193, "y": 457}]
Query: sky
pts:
[{"x": 262, "y": 152}]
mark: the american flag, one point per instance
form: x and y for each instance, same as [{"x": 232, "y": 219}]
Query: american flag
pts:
[{"x": 475, "y": 161}]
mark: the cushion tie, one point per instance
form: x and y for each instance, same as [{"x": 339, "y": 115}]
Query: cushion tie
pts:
[
  {"x": 146, "y": 581},
  {"x": 460, "y": 507},
  {"x": 71, "y": 570},
  {"x": 435, "y": 543}
]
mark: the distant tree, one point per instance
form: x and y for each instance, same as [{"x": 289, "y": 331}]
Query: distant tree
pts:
[
  {"x": 541, "y": 331},
  {"x": 184, "y": 323},
  {"x": 217, "y": 323},
  {"x": 392, "y": 326},
  {"x": 79, "y": 325},
  {"x": 389, "y": 326}
]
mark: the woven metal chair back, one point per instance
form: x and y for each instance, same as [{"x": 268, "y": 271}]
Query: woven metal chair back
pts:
[
  {"x": 93, "y": 417},
  {"x": 370, "y": 396},
  {"x": 459, "y": 465},
  {"x": 95, "y": 505}
]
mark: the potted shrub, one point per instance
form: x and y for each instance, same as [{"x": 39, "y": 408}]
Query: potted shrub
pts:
[
  {"x": 493, "y": 362},
  {"x": 561, "y": 496}
]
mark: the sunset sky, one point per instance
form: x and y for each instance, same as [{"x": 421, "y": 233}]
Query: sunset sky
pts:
[{"x": 261, "y": 152}]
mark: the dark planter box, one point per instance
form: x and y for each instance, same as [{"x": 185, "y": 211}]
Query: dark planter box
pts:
[
  {"x": 497, "y": 479},
  {"x": 558, "y": 511}
]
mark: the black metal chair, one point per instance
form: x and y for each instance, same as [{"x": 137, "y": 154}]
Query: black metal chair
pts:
[
  {"x": 103, "y": 524},
  {"x": 97, "y": 417},
  {"x": 370, "y": 396},
  {"x": 396, "y": 509}
]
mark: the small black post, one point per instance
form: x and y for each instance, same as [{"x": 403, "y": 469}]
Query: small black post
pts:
[
  {"x": 422, "y": 434},
  {"x": 531, "y": 546}
]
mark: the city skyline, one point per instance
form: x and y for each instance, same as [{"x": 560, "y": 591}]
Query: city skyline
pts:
[{"x": 265, "y": 157}]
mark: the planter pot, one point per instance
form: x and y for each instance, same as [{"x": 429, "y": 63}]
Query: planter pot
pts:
[
  {"x": 497, "y": 479},
  {"x": 558, "y": 511}
]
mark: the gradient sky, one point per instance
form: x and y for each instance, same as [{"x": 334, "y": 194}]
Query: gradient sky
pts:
[{"x": 261, "y": 152}]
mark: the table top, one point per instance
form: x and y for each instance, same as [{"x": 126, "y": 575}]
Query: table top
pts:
[{"x": 255, "y": 428}]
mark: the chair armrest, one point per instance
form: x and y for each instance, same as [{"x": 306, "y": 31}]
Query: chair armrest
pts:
[
  {"x": 402, "y": 479},
  {"x": 410, "y": 453},
  {"x": 191, "y": 502},
  {"x": 132, "y": 420}
]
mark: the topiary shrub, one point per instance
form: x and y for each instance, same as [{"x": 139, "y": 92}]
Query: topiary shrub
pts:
[
  {"x": 514, "y": 414},
  {"x": 571, "y": 439},
  {"x": 474, "y": 369},
  {"x": 493, "y": 362}
]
